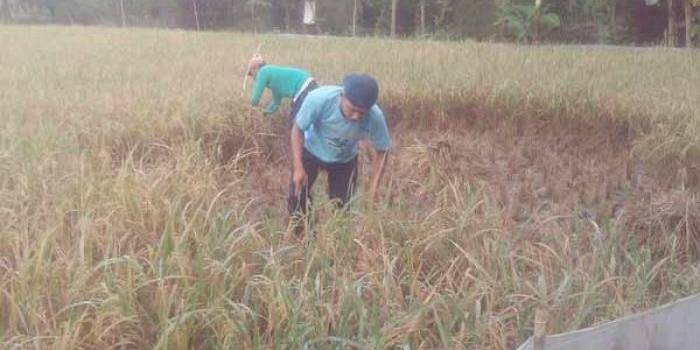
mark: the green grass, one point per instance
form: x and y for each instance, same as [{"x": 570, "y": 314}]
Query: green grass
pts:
[{"x": 141, "y": 200}]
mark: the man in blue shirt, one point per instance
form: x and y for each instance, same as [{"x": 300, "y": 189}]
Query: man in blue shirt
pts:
[{"x": 325, "y": 136}]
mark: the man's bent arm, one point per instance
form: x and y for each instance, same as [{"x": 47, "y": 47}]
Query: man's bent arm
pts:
[
  {"x": 297, "y": 143},
  {"x": 378, "y": 165}
]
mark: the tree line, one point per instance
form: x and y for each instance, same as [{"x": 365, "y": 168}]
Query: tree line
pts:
[{"x": 673, "y": 22}]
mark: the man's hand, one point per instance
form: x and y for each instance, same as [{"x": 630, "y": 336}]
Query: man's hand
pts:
[{"x": 300, "y": 177}]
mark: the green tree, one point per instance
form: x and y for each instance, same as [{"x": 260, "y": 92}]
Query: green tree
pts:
[{"x": 526, "y": 23}]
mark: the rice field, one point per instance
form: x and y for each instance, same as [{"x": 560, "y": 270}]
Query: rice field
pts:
[{"x": 142, "y": 200}]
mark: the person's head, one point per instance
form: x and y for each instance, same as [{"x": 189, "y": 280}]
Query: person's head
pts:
[
  {"x": 360, "y": 93},
  {"x": 254, "y": 65}
]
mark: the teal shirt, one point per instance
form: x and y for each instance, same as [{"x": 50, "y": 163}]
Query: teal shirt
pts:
[
  {"x": 332, "y": 138},
  {"x": 282, "y": 81}
]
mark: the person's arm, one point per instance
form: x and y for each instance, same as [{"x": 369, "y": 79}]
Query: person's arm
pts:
[
  {"x": 308, "y": 114},
  {"x": 379, "y": 159},
  {"x": 299, "y": 174},
  {"x": 274, "y": 105},
  {"x": 379, "y": 150},
  {"x": 260, "y": 84}
]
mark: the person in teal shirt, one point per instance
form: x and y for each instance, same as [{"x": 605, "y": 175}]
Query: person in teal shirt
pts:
[
  {"x": 283, "y": 82},
  {"x": 325, "y": 135}
]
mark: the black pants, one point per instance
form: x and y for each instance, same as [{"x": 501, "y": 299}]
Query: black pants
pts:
[
  {"x": 296, "y": 104},
  {"x": 342, "y": 178}
]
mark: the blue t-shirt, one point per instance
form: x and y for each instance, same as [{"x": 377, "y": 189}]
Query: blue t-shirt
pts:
[{"x": 332, "y": 138}]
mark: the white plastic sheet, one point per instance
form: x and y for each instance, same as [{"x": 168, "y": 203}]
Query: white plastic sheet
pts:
[{"x": 675, "y": 326}]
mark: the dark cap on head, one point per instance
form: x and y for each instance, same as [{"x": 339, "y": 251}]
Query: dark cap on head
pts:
[{"x": 361, "y": 90}]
